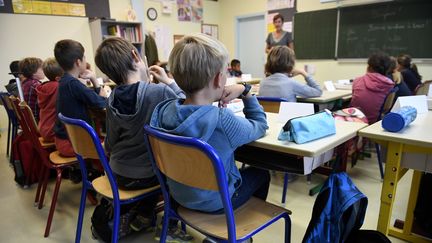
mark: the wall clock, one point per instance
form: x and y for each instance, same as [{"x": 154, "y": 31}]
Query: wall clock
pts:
[{"x": 152, "y": 13}]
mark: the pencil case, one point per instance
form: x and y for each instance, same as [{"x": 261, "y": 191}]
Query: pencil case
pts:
[{"x": 399, "y": 119}]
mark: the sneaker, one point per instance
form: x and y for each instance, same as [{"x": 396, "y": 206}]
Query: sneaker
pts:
[
  {"x": 175, "y": 235},
  {"x": 140, "y": 222}
]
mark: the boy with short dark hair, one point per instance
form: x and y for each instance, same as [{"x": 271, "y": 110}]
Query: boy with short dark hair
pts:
[
  {"x": 130, "y": 107},
  {"x": 235, "y": 70},
  {"x": 47, "y": 97},
  {"x": 74, "y": 97},
  {"x": 198, "y": 63},
  {"x": 31, "y": 69}
]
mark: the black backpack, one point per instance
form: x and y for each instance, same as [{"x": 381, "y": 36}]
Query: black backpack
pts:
[{"x": 102, "y": 220}]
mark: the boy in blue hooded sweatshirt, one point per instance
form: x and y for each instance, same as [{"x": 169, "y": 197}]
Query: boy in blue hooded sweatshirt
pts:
[{"x": 198, "y": 64}]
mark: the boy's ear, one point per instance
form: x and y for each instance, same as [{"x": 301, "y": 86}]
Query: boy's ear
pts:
[
  {"x": 217, "y": 80},
  {"x": 136, "y": 57}
]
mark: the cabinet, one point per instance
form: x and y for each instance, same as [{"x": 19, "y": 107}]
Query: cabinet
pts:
[{"x": 101, "y": 29}]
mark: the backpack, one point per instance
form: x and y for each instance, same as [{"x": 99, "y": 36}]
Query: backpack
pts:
[
  {"x": 338, "y": 211},
  {"x": 26, "y": 161},
  {"x": 367, "y": 236},
  {"x": 102, "y": 220}
]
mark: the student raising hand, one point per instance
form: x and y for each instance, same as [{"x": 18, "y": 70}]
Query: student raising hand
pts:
[{"x": 160, "y": 75}]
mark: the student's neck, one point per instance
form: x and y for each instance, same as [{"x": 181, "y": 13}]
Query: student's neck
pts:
[
  {"x": 134, "y": 78},
  {"x": 74, "y": 73},
  {"x": 279, "y": 31},
  {"x": 202, "y": 97}
]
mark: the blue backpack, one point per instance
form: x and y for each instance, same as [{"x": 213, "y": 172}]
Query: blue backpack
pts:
[{"x": 339, "y": 209}]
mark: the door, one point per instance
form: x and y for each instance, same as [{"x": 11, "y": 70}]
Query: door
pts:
[{"x": 250, "y": 44}]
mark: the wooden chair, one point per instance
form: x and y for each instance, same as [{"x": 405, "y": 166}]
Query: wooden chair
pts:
[
  {"x": 272, "y": 104},
  {"x": 423, "y": 88},
  {"x": 86, "y": 144},
  {"x": 50, "y": 159},
  {"x": 195, "y": 163}
]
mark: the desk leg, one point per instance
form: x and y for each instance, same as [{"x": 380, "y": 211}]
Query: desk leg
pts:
[{"x": 388, "y": 192}]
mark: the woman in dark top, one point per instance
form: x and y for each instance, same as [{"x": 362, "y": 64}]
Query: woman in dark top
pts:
[
  {"x": 278, "y": 37},
  {"x": 409, "y": 72}
]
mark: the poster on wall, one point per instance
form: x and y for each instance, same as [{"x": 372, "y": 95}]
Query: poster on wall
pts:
[
  {"x": 279, "y": 4},
  {"x": 184, "y": 10},
  {"x": 197, "y": 10}
]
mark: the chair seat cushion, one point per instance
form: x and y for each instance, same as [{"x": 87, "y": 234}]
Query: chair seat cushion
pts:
[
  {"x": 248, "y": 218},
  {"x": 58, "y": 159},
  {"x": 102, "y": 186},
  {"x": 46, "y": 144}
]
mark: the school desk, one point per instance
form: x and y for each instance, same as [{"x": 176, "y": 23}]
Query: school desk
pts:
[
  {"x": 416, "y": 138},
  {"x": 327, "y": 100},
  {"x": 270, "y": 153}
]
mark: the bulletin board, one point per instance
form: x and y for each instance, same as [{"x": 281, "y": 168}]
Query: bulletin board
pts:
[{"x": 76, "y": 8}]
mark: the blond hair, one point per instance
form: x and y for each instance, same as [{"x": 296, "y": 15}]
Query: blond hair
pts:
[
  {"x": 195, "y": 60},
  {"x": 52, "y": 69},
  {"x": 281, "y": 59}
]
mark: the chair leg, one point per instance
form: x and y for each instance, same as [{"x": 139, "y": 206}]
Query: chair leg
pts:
[
  {"x": 165, "y": 225},
  {"x": 287, "y": 228},
  {"x": 309, "y": 178},
  {"x": 81, "y": 213},
  {"x": 44, "y": 187},
  {"x": 378, "y": 151},
  {"x": 115, "y": 231},
  {"x": 53, "y": 202},
  {"x": 285, "y": 187},
  {"x": 40, "y": 182},
  {"x": 8, "y": 138}
]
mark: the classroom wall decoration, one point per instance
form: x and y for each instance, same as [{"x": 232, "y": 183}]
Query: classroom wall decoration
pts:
[
  {"x": 190, "y": 10},
  {"x": 78, "y": 8},
  {"x": 287, "y": 8}
]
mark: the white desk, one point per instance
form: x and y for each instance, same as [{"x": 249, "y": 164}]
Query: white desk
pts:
[
  {"x": 270, "y": 153},
  {"x": 416, "y": 138},
  {"x": 326, "y": 97}
]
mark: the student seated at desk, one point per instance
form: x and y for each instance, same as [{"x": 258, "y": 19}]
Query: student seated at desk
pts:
[
  {"x": 371, "y": 89},
  {"x": 31, "y": 68},
  {"x": 397, "y": 78},
  {"x": 280, "y": 83},
  {"x": 129, "y": 108},
  {"x": 409, "y": 72},
  {"x": 235, "y": 70},
  {"x": 47, "y": 97},
  {"x": 198, "y": 63},
  {"x": 73, "y": 96}
]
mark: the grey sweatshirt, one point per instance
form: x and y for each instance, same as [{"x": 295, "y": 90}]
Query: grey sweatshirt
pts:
[
  {"x": 281, "y": 86},
  {"x": 129, "y": 108}
]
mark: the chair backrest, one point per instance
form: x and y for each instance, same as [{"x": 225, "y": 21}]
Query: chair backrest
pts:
[
  {"x": 189, "y": 161},
  {"x": 4, "y": 96},
  {"x": 423, "y": 88},
  {"x": 271, "y": 104},
  {"x": 86, "y": 144},
  {"x": 387, "y": 104}
]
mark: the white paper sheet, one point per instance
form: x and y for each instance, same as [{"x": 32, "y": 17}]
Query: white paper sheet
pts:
[
  {"x": 417, "y": 101},
  {"x": 288, "y": 110}
]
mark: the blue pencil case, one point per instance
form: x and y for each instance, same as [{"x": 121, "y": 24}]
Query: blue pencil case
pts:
[
  {"x": 308, "y": 128},
  {"x": 399, "y": 119}
]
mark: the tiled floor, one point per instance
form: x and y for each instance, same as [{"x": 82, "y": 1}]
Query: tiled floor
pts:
[{"x": 21, "y": 222}]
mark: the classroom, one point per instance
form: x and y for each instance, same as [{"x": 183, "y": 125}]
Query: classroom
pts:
[{"x": 376, "y": 141}]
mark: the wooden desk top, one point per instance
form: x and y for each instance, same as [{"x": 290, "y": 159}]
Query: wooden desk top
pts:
[
  {"x": 327, "y": 96},
  {"x": 418, "y": 133},
  {"x": 344, "y": 132}
]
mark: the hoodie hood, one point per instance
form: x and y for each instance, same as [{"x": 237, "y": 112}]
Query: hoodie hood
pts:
[
  {"x": 46, "y": 92},
  {"x": 187, "y": 120},
  {"x": 377, "y": 82}
]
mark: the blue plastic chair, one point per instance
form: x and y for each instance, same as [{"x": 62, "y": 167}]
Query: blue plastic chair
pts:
[
  {"x": 195, "y": 163},
  {"x": 385, "y": 108},
  {"x": 86, "y": 144},
  {"x": 12, "y": 123},
  {"x": 272, "y": 104}
]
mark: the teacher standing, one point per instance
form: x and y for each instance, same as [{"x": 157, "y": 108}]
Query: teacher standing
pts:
[{"x": 278, "y": 37}]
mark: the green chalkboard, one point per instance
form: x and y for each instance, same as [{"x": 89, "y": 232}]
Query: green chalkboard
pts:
[
  {"x": 315, "y": 34},
  {"x": 395, "y": 28}
]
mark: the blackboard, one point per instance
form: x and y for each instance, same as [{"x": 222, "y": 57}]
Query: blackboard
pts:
[
  {"x": 93, "y": 8},
  {"x": 394, "y": 28},
  {"x": 315, "y": 34}
]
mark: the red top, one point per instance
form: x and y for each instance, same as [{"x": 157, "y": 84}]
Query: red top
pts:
[{"x": 47, "y": 97}]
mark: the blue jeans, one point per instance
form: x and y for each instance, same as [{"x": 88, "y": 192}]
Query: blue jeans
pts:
[{"x": 255, "y": 182}]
